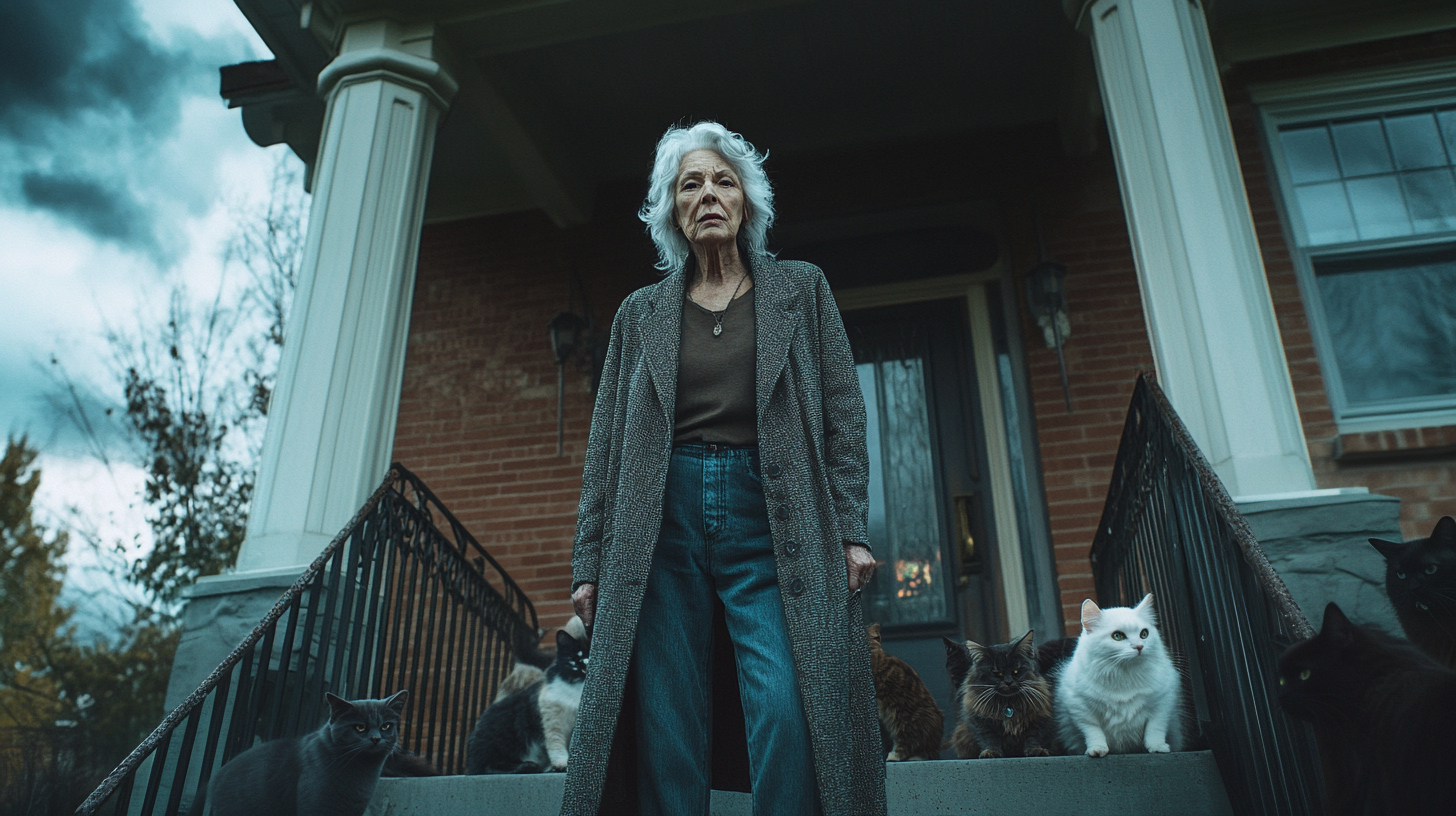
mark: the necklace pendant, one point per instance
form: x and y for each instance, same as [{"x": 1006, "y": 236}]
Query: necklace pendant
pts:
[
  {"x": 718, "y": 329},
  {"x": 1010, "y": 712}
]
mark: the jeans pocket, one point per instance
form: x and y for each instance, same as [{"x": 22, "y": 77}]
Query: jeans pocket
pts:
[{"x": 752, "y": 466}]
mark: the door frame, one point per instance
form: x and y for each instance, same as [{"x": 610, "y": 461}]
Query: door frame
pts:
[{"x": 1010, "y": 554}]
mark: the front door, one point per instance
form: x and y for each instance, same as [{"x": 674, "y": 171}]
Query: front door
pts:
[{"x": 929, "y": 511}]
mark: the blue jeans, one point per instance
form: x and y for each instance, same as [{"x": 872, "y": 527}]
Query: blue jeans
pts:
[{"x": 715, "y": 538}]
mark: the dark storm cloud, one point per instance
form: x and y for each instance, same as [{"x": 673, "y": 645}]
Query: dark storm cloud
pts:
[
  {"x": 103, "y": 212},
  {"x": 79, "y": 80}
]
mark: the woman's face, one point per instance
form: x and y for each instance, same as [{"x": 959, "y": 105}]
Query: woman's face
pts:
[{"x": 710, "y": 204}]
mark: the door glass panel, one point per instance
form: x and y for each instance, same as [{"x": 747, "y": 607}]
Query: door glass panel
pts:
[{"x": 904, "y": 515}]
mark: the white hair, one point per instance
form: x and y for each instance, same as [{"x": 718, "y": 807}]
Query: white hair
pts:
[{"x": 659, "y": 211}]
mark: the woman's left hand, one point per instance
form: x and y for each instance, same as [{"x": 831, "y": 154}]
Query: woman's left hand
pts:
[{"x": 861, "y": 564}]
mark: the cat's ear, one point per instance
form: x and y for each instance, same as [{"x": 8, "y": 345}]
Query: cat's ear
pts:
[
  {"x": 873, "y": 630},
  {"x": 338, "y": 706},
  {"x": 1336, "y": 627},
  {"x": 1091, "y": 612},
  {"x": 564, "y": 641},
  {"x": 1026, "y": 645},
  {"x": 1145, "y": 608},
  {"x": 395, "y": 702},
  {"x": 1445, "y": 531},
  {"x": 1389, "y": 549},
  {"x": 976, "y": 650}
]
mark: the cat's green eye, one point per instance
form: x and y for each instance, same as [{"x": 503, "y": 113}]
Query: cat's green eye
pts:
[
  {"x": 1431, "y": 570},
  {"x": 361, "y": 729},
  {"x": 1281, "y": 679},
  {"x": 1400, "y": 575},
  {"x": 1016, "y": 671},
  {"x": 386, "y": 726},
  {"x": 1143, "y": 634},
  {"x": 1118, "y": 636},
  {"x": 1304, "y": 675}
]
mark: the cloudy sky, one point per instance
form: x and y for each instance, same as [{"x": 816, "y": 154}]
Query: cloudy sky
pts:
[{"x": 121, "y": 171}]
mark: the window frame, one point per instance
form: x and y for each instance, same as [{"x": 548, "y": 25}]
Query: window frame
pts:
[{"x": 1354, "y": 94}]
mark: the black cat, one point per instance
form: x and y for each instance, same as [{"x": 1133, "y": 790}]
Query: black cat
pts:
[
  {"x": 1383, "y": 714},
  {"x": 530, "y": 730},
  {"x": 1420, "y": 578},
  {"x": 328, "y": 772},
  {"x": 1003, "y": 702}
]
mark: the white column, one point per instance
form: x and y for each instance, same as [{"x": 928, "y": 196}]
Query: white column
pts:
[
  {"x": 331, "y": 422},
  {"x": 1205, "y": 296}
]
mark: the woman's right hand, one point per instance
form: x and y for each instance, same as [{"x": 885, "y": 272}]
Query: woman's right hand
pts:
[{"x": 584, "y": 601}]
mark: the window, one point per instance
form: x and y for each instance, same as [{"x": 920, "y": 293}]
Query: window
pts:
[{"x": 1369, "y": 191}]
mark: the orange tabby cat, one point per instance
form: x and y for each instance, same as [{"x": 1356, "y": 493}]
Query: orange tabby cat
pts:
[{"x": 907, "y": 710}]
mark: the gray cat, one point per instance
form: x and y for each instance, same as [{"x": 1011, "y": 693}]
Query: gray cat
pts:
[{"x": 328, "y": 772}]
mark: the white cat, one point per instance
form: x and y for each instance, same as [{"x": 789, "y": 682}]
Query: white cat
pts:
[{"x": 1119, "y": 691}]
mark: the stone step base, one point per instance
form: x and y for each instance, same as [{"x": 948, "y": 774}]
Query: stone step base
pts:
[{"x": 1185, "y": 784}]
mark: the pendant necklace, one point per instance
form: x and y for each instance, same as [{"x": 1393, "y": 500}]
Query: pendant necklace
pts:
[{"x": 718, "y": 316}]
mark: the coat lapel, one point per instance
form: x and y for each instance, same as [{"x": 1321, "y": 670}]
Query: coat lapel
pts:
[
  {"x": 661, "y": 337},
  {"x": 777, "y": 314}
]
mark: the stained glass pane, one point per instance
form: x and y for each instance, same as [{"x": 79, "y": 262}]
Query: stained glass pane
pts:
[
  {"x": 1309, "y": 154},
  {"x": 1392, "y": 324},
  {"x": 1326, "y": 213},
  {"x": 1379, "y": 207},
  {"x": 1416, "y": 141},
  {"x": 904, "y": 517},
  {"x": 1361, "y": 148}
]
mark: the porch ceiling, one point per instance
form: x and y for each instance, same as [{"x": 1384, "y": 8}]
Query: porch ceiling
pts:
[{"x": 559, "y": 96}]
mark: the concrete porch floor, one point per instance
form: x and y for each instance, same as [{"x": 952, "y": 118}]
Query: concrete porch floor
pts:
[{"x": 1185, "y": 784}]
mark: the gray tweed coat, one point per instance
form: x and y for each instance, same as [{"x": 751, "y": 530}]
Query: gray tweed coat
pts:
[{"x": 811, "y": 438}]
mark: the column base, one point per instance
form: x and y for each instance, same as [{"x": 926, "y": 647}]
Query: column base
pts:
[
  {"x": 1317, "y": 541},
  {"x": 221, "y": 610}
]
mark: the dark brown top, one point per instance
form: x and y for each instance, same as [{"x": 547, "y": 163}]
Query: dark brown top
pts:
[{"x": 715, "y": 375}]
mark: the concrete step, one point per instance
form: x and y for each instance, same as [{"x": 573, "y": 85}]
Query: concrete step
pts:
[{"x": 1185, "y": 784}]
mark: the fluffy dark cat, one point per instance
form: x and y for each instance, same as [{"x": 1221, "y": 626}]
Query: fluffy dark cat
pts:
[
  {"x": 1420, "y": 578},
  {"x": 1003, "y": 701},
  {"x": 328, "y": 772},
  {"x": 1383, "y": 715},
  {"x": 529, "y": 730},
  {"x": 907, "y": 708}
]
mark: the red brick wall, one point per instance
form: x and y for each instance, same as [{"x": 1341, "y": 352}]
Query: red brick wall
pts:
[
  {"x": 1417, "y": 465},
  {"x": 477, "y": 417}
]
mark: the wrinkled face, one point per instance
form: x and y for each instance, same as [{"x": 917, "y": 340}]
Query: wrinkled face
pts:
[{"x": 709, "y": 199}]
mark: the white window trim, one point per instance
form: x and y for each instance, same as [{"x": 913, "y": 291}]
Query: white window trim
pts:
[{"x": 1352, "y": 94}]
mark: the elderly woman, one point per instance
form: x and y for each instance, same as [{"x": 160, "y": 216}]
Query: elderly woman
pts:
[{"x": 727, "y": 456}]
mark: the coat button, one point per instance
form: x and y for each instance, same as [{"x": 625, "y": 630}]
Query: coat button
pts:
[
  {"x": 773, "y": 470},
  {"x": 782, "y": 512},
  {"x": 797, "y": 587},
  {"x": 791, "y": 548}
]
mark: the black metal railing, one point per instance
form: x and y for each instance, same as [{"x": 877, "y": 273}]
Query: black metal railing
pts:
[
  {"x": 393, "y": 602},
  {"x": 1170, "y": 528}
]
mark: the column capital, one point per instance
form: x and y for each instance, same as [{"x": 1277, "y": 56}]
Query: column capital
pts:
[{"x": 384, "y": 49}]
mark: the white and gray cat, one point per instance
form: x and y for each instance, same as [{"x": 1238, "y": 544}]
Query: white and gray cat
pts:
[
  {"x": 1119, "y": 691},
  {"x": 328, "y": 772},
  {"x": 529, "y": 730}
]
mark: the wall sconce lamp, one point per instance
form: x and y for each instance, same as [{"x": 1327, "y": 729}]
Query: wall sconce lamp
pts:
[
  {"x": 1046, "y": 295},
  {"x": 565, "y": 332}
]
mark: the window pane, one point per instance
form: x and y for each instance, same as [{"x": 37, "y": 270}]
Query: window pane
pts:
[
  {"x": 1361, "y": 148},
  {"x": 1447, "y": 118},
  {"x": 1379, "y": 207},
  {"x": 1326, "y": 213},
  {"x": 1309, "y": 154},
  {"x": 1431, "y": 195},
  {"x": 1416, "y": 141},
  {"x": 1392, "y": 324},
  {"x": 904, "y": 518}
]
